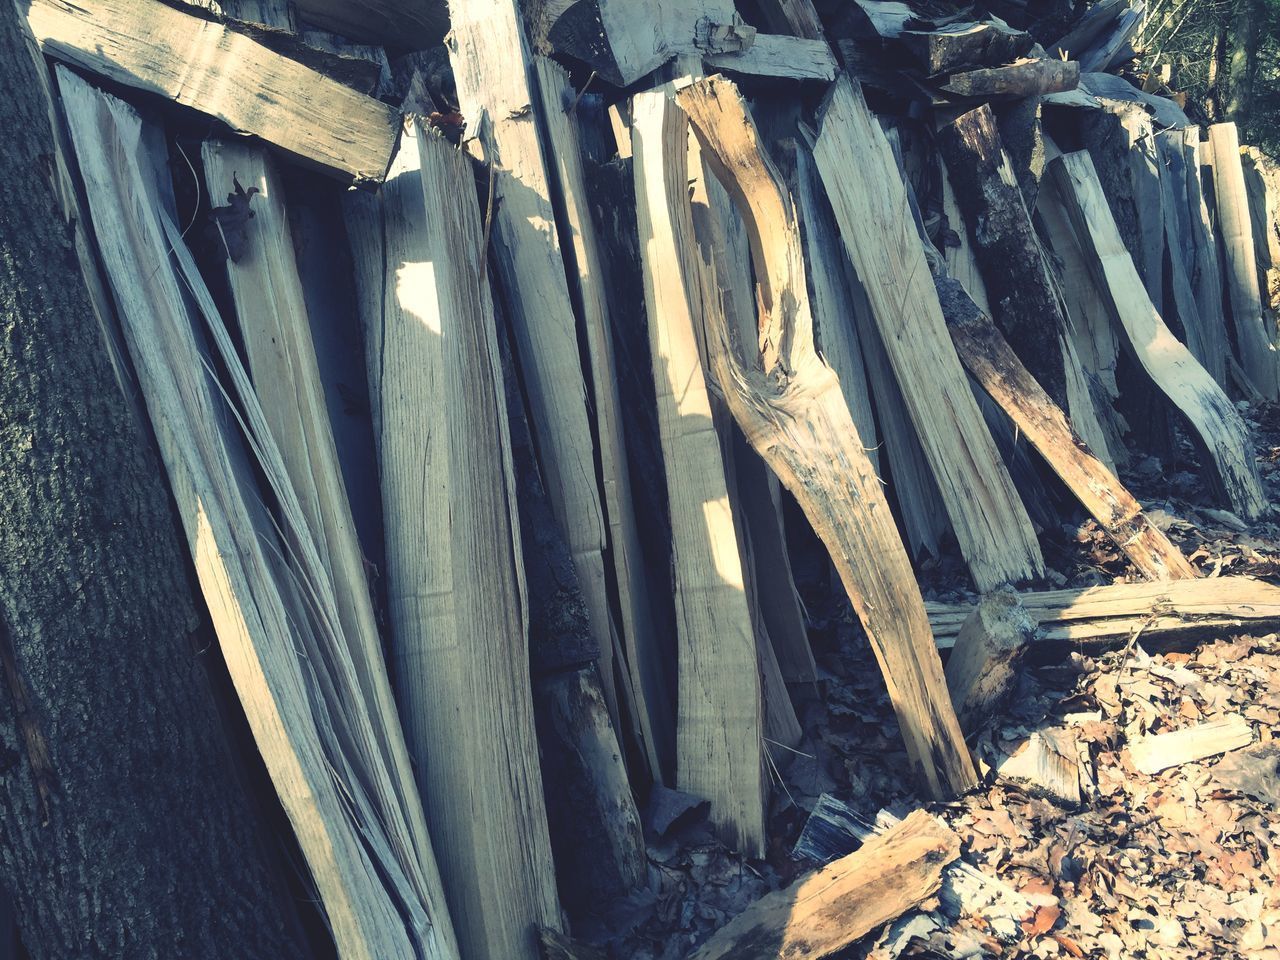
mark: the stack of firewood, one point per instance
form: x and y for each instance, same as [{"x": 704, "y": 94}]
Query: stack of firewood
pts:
[{"x": 632, "y": 279}]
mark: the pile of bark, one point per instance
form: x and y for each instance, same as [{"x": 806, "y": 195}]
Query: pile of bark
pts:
[{"x": 514, "y": 367}]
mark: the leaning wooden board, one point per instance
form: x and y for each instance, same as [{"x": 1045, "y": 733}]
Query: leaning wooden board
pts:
[
  {"x": 1100, "y": 615},
  {"x": 201, "y": 64}
]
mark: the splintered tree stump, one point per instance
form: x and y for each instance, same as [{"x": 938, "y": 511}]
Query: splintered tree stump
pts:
[{"x": 983, "y": 667}]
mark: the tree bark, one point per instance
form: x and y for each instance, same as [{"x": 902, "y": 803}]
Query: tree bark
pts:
[
  {"x": 124, "y": 830},
  {"x": 1244, "y": 61}
]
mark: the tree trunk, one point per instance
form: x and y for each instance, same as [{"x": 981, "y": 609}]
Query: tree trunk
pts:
[
  {"x": 1213, "y": 106},
  {"x": 124, "y": 830},
  {"x": 1244, "y": 61}
]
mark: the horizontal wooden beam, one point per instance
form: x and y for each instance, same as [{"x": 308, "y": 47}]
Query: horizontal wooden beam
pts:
[{"x": 204, "y": 65}]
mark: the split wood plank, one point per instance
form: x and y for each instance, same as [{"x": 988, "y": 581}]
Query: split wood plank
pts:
[
  {"x": 718, "y": 731},
  {"x": 830, "y": 908},
  {"x": 1255, "y": 331},
  {"x": 1112, "y": 46},
  {"x": 798, "y": 17},
  {"x": 1205, "y": 336},
  {"x": 1215, "y": 422},
  {"x": 275, "y": 329},
  {"x": 1025, "y": 78},
  {"x": 775, "y": 55},
  {"x": 1156, "y": 752},
  {"x": 1262, "y": 183},
  {"x": 1105, "y": 615},
  {"x": 1013, "y": 265},
  {"x": 415, "y": 24},
  {"x": 1047, "y": 765},
  {"x": 493, "y": 71},
  {"x": 641, "y": 660},
  {"x": 260, "y": 621},
  {"x": 789, "y": 406},
  {"x": 757, "y": 487},
  {"x": 988, "y": 356},
  {"x": 455, "y": 584},
  {"x": 962, "y": 264},
  {"x": 202, "y": 64},
  {"x": 876, "y": 225}
]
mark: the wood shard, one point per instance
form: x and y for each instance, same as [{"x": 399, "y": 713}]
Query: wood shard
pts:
[
  {"x": 982, "y": 668},
  {"x": 832, "y": 907},
  {"x": 1157, "y": 752},
  {"x": 204, "y": 65}
]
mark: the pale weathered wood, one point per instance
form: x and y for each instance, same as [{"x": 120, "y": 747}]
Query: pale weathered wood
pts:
[
  {"x": 1111, "y": 614},
  {"x": 454, "y": 575},
  {"x": 758, "y": 490},
  {"x": 1026, "y": 78},
  {"x": 204, "y": 65},
  {"x": 298, "y": 691},
  {"x": 1224, "y": 438},
  {"x": 1255, "y": 330},
  {"x": 275, "y": 329},
  {"x": 1027, "y": 305},
  {"x": 994, "y": 365},
  {"x": 718, "y": 729},
  {"x": 982, "y": 668},
  {"x": 830, "y": 908},
  {"x": 641, "y": 659},
  {"x": 871, "y": 207},
  {"x": 790, "y": 408},
  {"x": 1262, "y": 182},
  {"x": 772, "y": 55},
  {"x": 1156, "y": 752},
  {"x": 1205, "y": 336},
  {"x": 1204, "y": 259},
  {"x": 493, "y": 71},
  {"x": 416, "y": 24}
]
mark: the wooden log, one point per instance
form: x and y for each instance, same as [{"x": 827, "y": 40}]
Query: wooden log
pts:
[
  {"x": 1091, "y": 26},
  {"x": 301, "y": 717},
  {"x": 1156, "y": 752},
  {"x": 790, "y": 408},
  {"x": 1111, "y": 47},
  {"x": 988, "y": 357},
  {"x": 718, "y": 727},
  {"x": 1019, "y": 285},
  {"x": 641, "y": 660},
  {"x": 1025, "y": 78},
  {"x": 983, "y": 667},
  {"x": 275, "y": 329},
  {"x": 955, "y": 46},
  {"x": 1255, "y": 332},
  {"x": 771, "y": 55},
  {"x": 455, "y": 581},
  {"x": 830, "y": 908},
  {"x": 870, "y": 204},
  {"x": 1227, "y": 448},
  {"x": 493, "y": 72},
  {"x": 416, "y": 24},
  {"x": 1101, "y": 616},
  {"x": 797, "y": 17},
  {"x": 203, "y": 65}
]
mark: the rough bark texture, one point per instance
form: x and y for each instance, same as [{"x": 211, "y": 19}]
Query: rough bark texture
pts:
[{"x": 123, "y": 829}]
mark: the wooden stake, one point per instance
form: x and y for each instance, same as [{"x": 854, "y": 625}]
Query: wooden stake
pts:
[
  {"x": 454, "y": 574},
  {"x": 1214, "y": 420},
  {"x": 871, "y": 207},
  {"x": 790, "y": 407}
]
